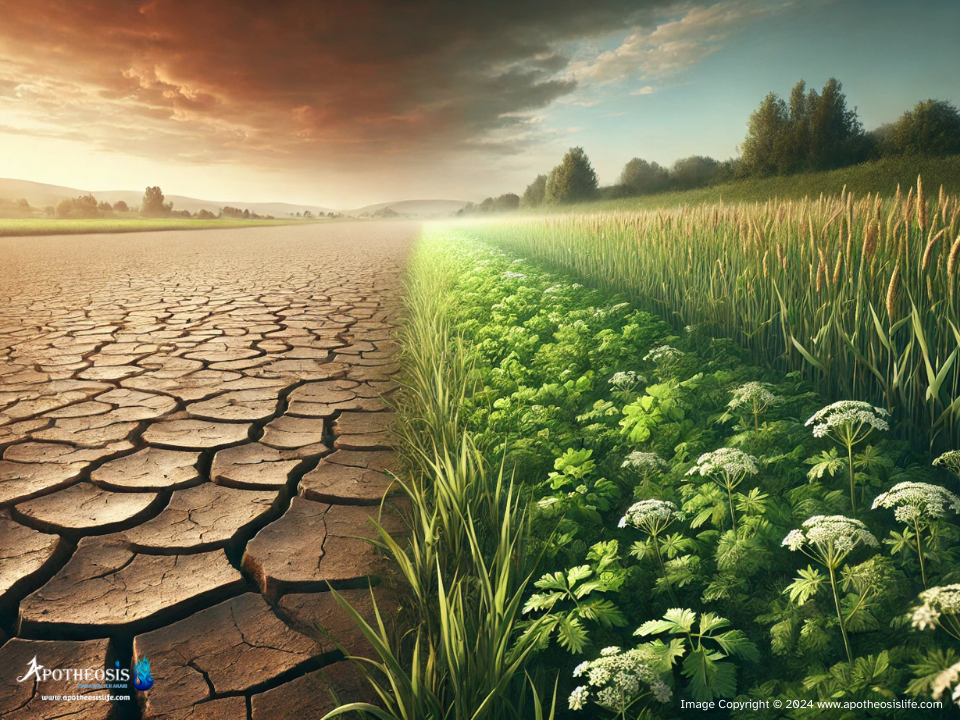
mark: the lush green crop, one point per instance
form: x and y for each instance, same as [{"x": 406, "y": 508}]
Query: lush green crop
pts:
[
  {"x": 859, "y": 294},
  {"x": 673, "y": 492}
]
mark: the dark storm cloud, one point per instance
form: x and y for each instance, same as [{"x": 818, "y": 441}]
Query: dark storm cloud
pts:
[{"x": 347, "y": 82}]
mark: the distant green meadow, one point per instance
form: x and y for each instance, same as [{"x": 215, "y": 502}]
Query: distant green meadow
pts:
[
  {"x": 48, "y": 226},
  {"x": 881, "y": 176}
]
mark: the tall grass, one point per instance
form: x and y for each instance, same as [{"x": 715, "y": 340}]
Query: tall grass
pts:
[
  {"x": 464, "y": 564},
  {"x": 858, "y": 293}
]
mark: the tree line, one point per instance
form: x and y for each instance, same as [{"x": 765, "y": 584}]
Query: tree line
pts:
[
  {"x": 152, "y": 205},
  {"x": 810, "y": 131}
]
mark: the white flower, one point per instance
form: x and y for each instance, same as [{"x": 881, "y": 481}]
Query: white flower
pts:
[
  {"x": 579, "y": 697},
  {"x": 651, "y": 516},
  {"x": 663, "y": 353},
  {"x": 513, "y": 275},
  {"x": 626, "y": 381},
  {"x": 726, "y": 461},
  {"x": 937, "y": 601},
  {"x": 945, "y": 681},
  {"x": 831, "y": 536},
  {"x": 644, "y": 462},
  {"x": 950, "y": 460},
  {"x": 913, "y": 500},
  {"x": 849, "y": 416},
  {"x": 618, "y": 677},
  {"x": 794, "y": 540},
  {"x": 754, "y": 396}
]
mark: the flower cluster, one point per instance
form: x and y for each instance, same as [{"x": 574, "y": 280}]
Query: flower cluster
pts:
[
  {"x": 836, "y": 532},
  {"x": 949, "y": 678},
  {"x": 644, "y": 462},
  {"x": 663, "y": 353},
  {"x": 626, "y": 381},
  {"x": 913, "y": 500},
  {"x": 513, "y": 275},
  {"x": 753, "y": 395},
  {"x": 847, "y": 414},
  {"x": 726, "y": 461},
  {"x": 618, "y": 678},
  {"x": 651, "y": 516},
  {"x": 949, "y": 460},
  {"x": 937, "y": 601}
]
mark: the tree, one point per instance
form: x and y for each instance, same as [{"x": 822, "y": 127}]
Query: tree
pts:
[
  {"x": 23, "y": 205},
  {"x": 120, "y": 206},
  {"x": 642, "y": 177},
  {"x": 694, "y": 171},
  {"x": 573, "y": 180},
  {"x": 204, "y": 214},
  {"x": 153, "y": 204},
  {"x": 104, "y": 206},
  {"x": 535, "y": 193},
  {"x": 815, "y": 131},
  {"x": 765, "y": 135},
  {"x": 932, "y": 127}
]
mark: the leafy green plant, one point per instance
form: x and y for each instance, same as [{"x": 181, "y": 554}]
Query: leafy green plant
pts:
[
  {"x": 828, "y": 540},
  {"x": 565, "y": 599},
  {"x": 707, "y": 651}
]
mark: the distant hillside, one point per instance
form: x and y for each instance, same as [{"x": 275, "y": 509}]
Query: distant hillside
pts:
[
  {"x": 410, "y": 208},
  {"x": 40, "y": 194},
  {"x": 879, "y": 176}
]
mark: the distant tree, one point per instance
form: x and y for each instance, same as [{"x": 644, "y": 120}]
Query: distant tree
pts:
[
  {"x": 932, "y": 127},
  {"x": 307, "y": 214},
  {"x": 507, "y": 202},
  {"x": 641, "y": 177},
  {"x": 104, "y": 206},
  {"x": 246, "y": 213},
  {"x": 694, "y": 171},
  {"x": 766, "y": 133},
  {"x": 24, "y": 206},
  {"x": 49, "y": 211},
  {"x": 836, "y": 135},
  {"x": 153, "y": 204},
  {"x": 535, "y": 193},
  {"x": 573, "y": 180},
  {"x": 65, "y": 207},
  {"x": 815, "y": 131},
  {"x": 120, "y": 206},
  {"x": 204, "y": 214}
]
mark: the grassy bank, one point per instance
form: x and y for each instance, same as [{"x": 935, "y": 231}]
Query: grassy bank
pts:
[
  {"x": 51, "y": 226},
  {"x": 670, "y": 486},
  {"x": 881, "y": 176}
]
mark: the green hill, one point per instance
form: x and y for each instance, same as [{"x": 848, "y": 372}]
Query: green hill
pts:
[{"x": 871, "y": 177}]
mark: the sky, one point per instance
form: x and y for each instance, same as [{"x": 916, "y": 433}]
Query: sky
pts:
[{"x": 341, "y": 103}]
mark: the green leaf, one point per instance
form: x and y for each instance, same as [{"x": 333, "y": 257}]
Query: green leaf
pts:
[
  {"x": 735, "y": 643},
  {"x": 806, "y": 586},
  {"x": 572, "y": 635},
  {"x": 708, "y": 676}
]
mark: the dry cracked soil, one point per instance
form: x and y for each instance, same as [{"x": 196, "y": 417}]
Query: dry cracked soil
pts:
[{"x": 194, "y": 441}]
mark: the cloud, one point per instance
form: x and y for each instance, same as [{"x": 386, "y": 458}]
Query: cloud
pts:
[
  {"x": 645, "y": 90},
  {"x": 344, "y": 85},
  {"x": 672, "y": 47}
]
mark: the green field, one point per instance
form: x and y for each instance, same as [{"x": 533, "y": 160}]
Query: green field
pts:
[
  {"x": 664, "y": 457},
  {"x": 12, "y": 227},
  {"x": 881, "y": 176}
]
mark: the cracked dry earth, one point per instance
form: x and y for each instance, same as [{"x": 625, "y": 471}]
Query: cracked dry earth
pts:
[{"x": 194, "y": 441}]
